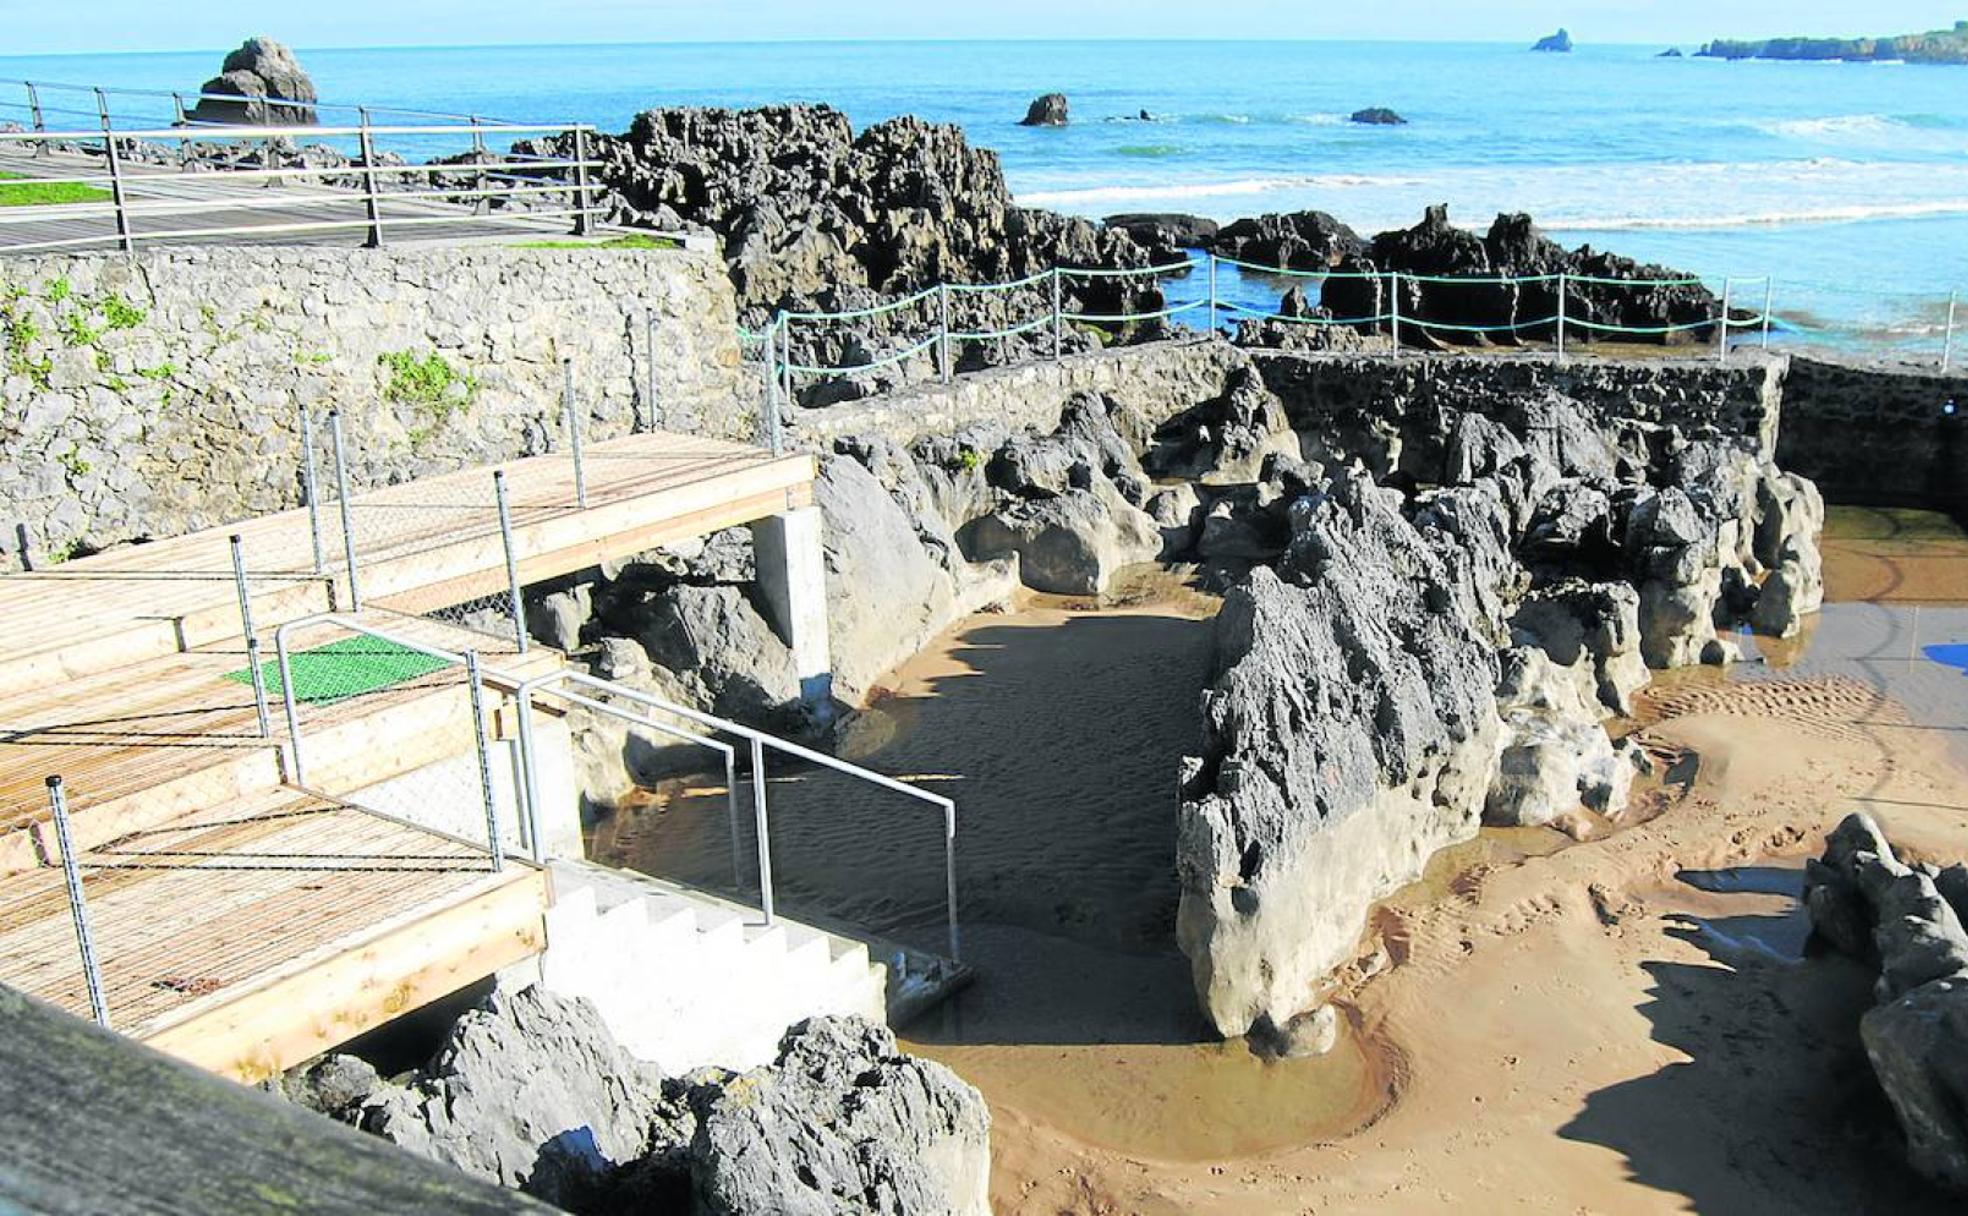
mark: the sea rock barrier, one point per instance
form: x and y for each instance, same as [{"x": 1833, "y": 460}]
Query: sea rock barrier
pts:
[
  {"x": 1906, "y": 920},
  {"x": 531, "y": 1091}
]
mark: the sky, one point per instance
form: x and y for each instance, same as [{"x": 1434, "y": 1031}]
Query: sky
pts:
[{"x": 30, "y": 27}]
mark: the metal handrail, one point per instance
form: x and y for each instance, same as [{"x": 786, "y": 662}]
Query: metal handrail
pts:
[
  {"x": 524, "y": 689},
  {"x": 236, "y": 99}
]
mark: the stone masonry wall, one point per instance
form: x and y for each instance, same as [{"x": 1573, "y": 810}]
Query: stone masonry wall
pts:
[
  {"x": 1876, "y": 436},
  {"x": 1743, "y": 397},
  {"x": 151, "y": 395}
]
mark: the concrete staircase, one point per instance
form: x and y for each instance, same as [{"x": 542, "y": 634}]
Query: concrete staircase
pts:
[{"x": 684, "y": 980}]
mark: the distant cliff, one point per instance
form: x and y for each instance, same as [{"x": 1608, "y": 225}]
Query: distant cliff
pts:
[{"x": 1935, "y": 46}]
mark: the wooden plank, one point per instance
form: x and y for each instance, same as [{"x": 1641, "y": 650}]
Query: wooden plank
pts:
[
  {"x": 94, "y": 1122},
  {"x": 316, "y": 1004}
]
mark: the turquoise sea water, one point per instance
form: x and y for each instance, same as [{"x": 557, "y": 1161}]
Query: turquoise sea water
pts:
[{"x": 1849, "y": 183}]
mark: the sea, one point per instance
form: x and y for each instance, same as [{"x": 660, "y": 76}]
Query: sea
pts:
[{"x": 1845, "y": 185}]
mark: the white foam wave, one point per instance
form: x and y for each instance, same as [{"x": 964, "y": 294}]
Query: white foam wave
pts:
[
  {"x": 1835, "y": 125},
  {"x": 1219, "y": 189},
  {"x": 1817, "y": 215}
]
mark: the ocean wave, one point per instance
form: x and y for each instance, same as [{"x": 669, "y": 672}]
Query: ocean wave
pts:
[
  {"x": 1218, "y": 189},
  {"x": 1151, "y": 151},
  {"x": 1316, "y": 120},
  {"x": 1818, "y": 215},
  {"x": 1835, "y": 125}
]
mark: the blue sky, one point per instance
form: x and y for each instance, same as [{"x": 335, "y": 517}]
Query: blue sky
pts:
[{"x": 138, "y": 25}]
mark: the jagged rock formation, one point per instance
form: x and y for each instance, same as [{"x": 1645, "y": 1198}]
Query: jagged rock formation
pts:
[
  {"x": 1436, "y": 248},
  {"x": 1166, "y": 234},
  {"x": 1378, "y": 116},
  {"x": 1560, "y": 41},
  {"x": 1049, "y": 110},
  {"x": 1556, "y": 757},
  {"x": 1300, "y": 240},
  {"x": 1934, "y": 46},
  {"x": 1907, "y": 921},
  {"x": 531, "y": 1091},
  {"x": 811, "y": 213},
  {"x": 1349, "y": 732},
  {"x": 260, "y": 69}
]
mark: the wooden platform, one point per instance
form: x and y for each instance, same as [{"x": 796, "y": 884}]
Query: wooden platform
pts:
[
  {"x": 247, "y": 212},
  {"x": 420, "y": 544},
  {"x": 249, "y": 938}
]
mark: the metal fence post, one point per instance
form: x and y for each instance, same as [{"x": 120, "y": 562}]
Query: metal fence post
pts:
[
  {"x": 512, "y": 560},
  {"x": 78, "y": 908},
  {"x": 529, "y": 820},
  {"x": 485, "y": 788},
  {"x": 371, "y": 202},
  {"x": 115, "y": 158},
  {"x": 1561, "y": 317},
  {"x": 785, "y": 398},
  {"x": 291, "y": 704},
  {"x": 1947, "y": 342},
  {"x": 1210, "y": 325},
  {"x": 183, "y": 120},
  {"x": 1058, "y": 318},
  {"x": 655, "y": 415},
  {"x": 311, "y": 484},
  {"x": 238, "y": 547},
  {"x": 1769, "y": 295},
  {"x": 342, "y": 495},
  {"x": 581, "y": 195},
  {"x": 943, "y": 328},
  {"x": 1394, "y": 310},
  {"x": 1722, "y": 328},
  {"x": 573, "y": 415},
  {"x": 764, "y": 833},
  {"x": 950, "y": 878}
]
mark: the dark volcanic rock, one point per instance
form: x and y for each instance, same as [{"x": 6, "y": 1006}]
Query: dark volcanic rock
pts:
[
  {"x": 1378, "y": 116},
  {"x": 1560, "y": 41},
  {"x": 1165, "y": 233},
  {"x": 1300, "y": 240},
  {"x": 814, "y": 216},
  {"x": 260, "y": 69},
  {"x": 1673, "y": 52},
  {"x": 1047, "y": 111}
]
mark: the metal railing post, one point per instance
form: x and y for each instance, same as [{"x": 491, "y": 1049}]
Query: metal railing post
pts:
[
  {"x": 529, "y": 820},
  {"x": 581, "y": 194},
  {"x": 786, "y": 397},
  {"x": 1769, "y": 296},
  {"x": 1722, "y": 327},
  {"x": 485, "y": 787},
  {"x": 78, "y": 907},
  {"x": 764, "y": 833},
  {"x": 655, "y": 416},
  {"x": 571, "y": 411},
  {"x": 183, "y": 120},
  {"x": 731, "y": 814},
  {"x": 1560, "y": 349},
  {"x": 1210, "y": 324},
  {"x": 290, "y": 704},
  {"x": 117, "y": 199},
  {"x": 769, "y": 387},
  {"x": 1394, "y": 310},
  {"x": 943, "y": 329},
  {"x": 1058, "y": 320},
  {"x": 238, "y": 547},
  {"x": 342, "y": 495},
  {"x": 34, "y": 108},
  {"x": 1947, "y": 342},
  {"x": 371, "y": 202},
  {"x": 512, "y": 560},
  {"x": 950, "y": 878},
  {"x": 311, "y": 485}
]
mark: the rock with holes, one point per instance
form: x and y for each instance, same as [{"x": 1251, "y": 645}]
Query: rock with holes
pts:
[
  {"x": 1349, "y": 731},
  {"x": 1556, "y": 756},
  {"x": 1575, "y": 622},
  {"x": 1227, "y": 439}
]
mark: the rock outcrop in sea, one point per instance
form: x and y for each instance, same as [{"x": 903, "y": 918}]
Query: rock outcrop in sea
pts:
[
  {"x": 1948, "y": 46},
  {"x": 1906, "y": 920},
  {"x": 1560, "y": 41},
  {"x": 1378, "y": 116},
  {"x": 1050, "y": 110},
  {"x": 260, "y": 69},
  {"x": 531, "y": 1091}
]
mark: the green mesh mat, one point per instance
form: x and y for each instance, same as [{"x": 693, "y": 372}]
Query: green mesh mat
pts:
[{"x": 344, "y": 669}]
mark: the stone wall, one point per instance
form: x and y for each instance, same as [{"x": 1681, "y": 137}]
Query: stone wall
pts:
[
  {"x": 1878, "y": 436},
  {"x": 152, "y": 395},
  {"x": 1743, "y": 397}
]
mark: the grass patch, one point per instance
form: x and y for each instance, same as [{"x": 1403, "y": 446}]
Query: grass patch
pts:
[
  {"x": 19, "y": 191},
  {"x": 620, "y": 242},
  {"x": 343, "y": 669},
  {"x": 428, "y": 380}
]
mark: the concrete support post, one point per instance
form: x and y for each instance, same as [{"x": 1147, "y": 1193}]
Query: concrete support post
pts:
[{"x": 792, "y": 576}]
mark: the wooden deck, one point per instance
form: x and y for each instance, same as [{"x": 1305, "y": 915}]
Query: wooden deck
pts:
[
  {"x": 420, "y": 544},
  {"x": 195, "y": 921},
  {"x": 205, "y": 208}
]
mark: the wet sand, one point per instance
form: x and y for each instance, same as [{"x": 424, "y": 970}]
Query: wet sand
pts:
[{"x": 1623, "y": 1024}]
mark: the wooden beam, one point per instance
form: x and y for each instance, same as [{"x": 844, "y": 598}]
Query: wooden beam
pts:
[
  {"x": 94, "y": 1122},
  {"x": 316, "y": 1004}
]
